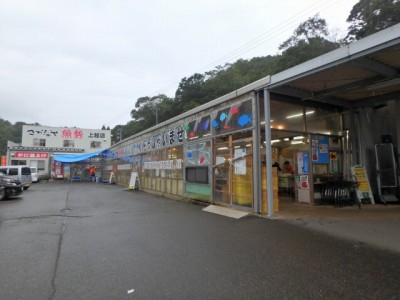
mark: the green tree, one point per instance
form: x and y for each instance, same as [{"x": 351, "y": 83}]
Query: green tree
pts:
[
  {"x": 148, "y": 112},
  {"x": 117, "y": 134},
  {"x": 190, "y": 92},
  {"x": 314, "y": 27},
  {"x": 234, "y": 76},
  {"x": 6, "y": 134},
  {"x": 150, "y": 109},
  {"x": 10, "y": 132},
  {"x": 309, "y": 40},
  {"x": 370, "y": 16}
]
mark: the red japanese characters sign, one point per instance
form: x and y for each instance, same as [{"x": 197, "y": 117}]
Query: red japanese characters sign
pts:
[
  {"x": 31, "y": 155},
  {"x": 68, "y": 134}
]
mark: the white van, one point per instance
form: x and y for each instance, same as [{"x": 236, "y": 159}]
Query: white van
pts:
[
  {"x": 34, "y": 174},
  {"x": 22, "y": 173}
]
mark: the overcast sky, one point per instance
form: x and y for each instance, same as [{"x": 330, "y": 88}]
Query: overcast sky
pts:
[{"x": 83, "y": 63}]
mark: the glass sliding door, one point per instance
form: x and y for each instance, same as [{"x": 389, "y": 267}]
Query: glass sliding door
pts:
[
  {"x": 242, "y": 173},
  {"x": 233, "y": 170},
  {"x": 222, "y": 171}
]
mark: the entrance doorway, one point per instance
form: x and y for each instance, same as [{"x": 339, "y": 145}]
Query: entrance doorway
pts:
[
  {"x": 233, "y": 170},
  {"x": 291, "y": 161}
]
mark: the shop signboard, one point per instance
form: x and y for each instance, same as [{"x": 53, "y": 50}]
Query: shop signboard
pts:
[
  {"x": 31, "y": 155},
  {"x": 363, "y": 189}
]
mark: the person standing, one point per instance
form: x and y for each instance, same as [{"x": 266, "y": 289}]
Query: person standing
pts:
[
  {"x": 92, "y": 173},
  {"x": 288, "y": 168}
]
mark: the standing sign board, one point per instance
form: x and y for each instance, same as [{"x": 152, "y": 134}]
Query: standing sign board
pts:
[
  {"x": 112, "y": 178},
  {"x": 134, "y": 182},
  {"x": 363, "y": 189}
]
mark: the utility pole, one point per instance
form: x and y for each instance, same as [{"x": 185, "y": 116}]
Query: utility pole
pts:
[{"x": 154, "y": 111}]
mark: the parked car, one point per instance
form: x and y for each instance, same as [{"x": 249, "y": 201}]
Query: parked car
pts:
[
  {"x": 22, "y": 173},
  {"x": 2, "y": 193},
  {"x": 12, "y": 186},
  {"x": 34, "y": 174}
]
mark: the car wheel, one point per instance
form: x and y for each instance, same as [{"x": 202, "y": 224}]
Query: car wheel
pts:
[
  {"x": 26, "y": 187},
  {"x": 2, "y": 194}
]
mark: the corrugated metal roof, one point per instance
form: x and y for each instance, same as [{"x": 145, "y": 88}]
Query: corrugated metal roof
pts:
[{"x": 347, "y": 76}]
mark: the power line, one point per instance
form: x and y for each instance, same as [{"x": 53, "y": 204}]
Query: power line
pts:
[
  {"x": 266, "y": 36},
  {"x": 254, "y": 43}
]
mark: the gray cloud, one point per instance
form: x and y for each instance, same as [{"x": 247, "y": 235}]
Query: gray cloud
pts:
[{"x": 84, "y": 63}]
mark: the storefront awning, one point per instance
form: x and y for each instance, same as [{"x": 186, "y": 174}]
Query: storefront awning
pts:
[{"x": 69, "y": 158}]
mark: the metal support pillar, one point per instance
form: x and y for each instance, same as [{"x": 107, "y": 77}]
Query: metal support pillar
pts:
[{"x": 268, "y": 153}]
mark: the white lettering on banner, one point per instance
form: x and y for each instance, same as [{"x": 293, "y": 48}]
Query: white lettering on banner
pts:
[
  {"x": 171, "y": 137},
  {"x": 163, "y": 165},
  {"x": 31, "y": 155},
  {"x": 124, "y": 167}
]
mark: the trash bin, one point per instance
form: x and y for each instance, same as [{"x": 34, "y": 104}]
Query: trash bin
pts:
[{"x": 97, "y": 179}]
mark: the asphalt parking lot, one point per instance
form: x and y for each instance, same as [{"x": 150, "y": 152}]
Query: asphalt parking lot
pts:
[{"x": 94, "y": 241}]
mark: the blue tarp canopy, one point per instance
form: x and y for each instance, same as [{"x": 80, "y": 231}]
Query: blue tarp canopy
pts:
[{"x": 70, "y": 158}]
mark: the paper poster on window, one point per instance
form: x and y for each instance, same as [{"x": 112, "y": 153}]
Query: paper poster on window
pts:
[
  {"x": 302, "y": 182},
  {"x": 323, "y": 148},
  {"x": 314, "y": 143},
  {"x": 219, "y": 160},
  {"x": 240, "y": 164},
  {"x": 333, "y": 155},
  {"x": 320, "y": 149},
  {"x": 302, "y": 163},
  {"x": 315, "y": 156}
]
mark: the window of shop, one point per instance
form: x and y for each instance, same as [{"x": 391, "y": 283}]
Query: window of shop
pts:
[
  {"x": 286, "y": 116},
  {"x": 198, "y": 154},
  {"x": 176, "y": 155},
  {"x": 39, "y": 142},
  {"x": 41, "y": 165},
  {"x": 164, "y": 163},
  {"x": 197, "y": 175},
  {"x": 94, "y": 144},
  {"x": 15, "y": 162},
  {"x": 162, "y": 170},
  {"x": 197, "y": 161},
  {"x": 323, "y": 121},
  {"x": 69, "y": 143},
  {"x": 148, "y": 159},
  {"x": 198, "y": 128},
  {"x": 235, "y": 117}
]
